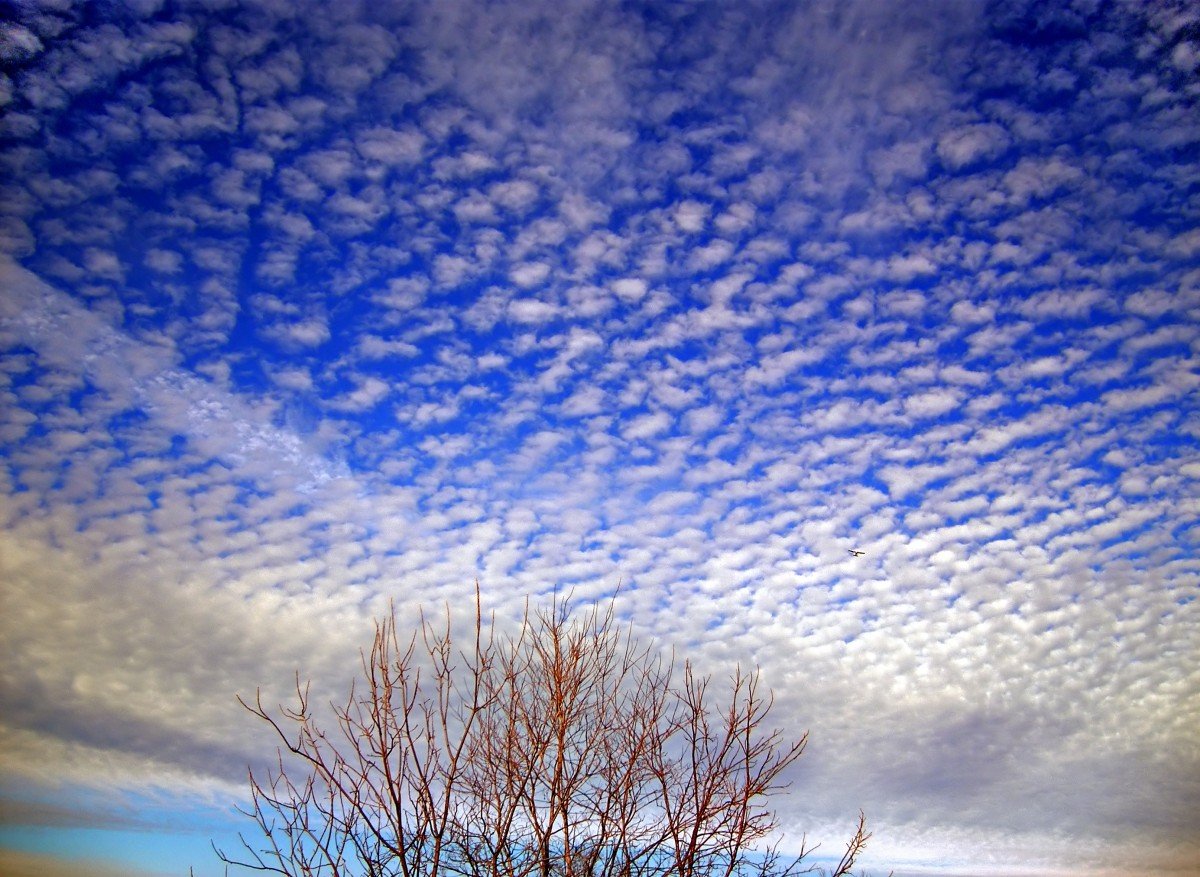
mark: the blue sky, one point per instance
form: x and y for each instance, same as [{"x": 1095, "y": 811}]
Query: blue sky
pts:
[{"x": 306, "y": 307}]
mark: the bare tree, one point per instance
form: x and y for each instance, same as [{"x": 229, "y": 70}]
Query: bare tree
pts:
[{"x": 563, "y": 750}]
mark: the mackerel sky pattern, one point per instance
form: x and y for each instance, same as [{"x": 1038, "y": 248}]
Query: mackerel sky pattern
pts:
[{"x": 308, "y": 307}]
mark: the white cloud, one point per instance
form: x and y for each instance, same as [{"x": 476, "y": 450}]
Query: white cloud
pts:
[
  {"x": 1151, "y": 303},
  {"x": 103, "y": 264},
  {"x": 775, "y": 368},
  {"x": 966, "y": 313},
  {"x": 1142, "y": 397},
  {"x": 475, "y": 208},
  {"x": 932, "y": 403},
  {"x": 516, "y": 195},
  {"x": 307, "y": 333},
  {"x": 391, "y": 147},
  {"x": 1037, "y": 178},
  {"x": 530, "y": 274},
  {"x": 17, "y": 43},
  {"x": 293, "y": 378},
  {"x": 969, "y": 144},
  {"x": 532, "y": 311},
  {"x": 906, "y": 268},
  {"x": 646, "y": 426},
  {"x": 164, "y": 261},
  {"x": 704, "y": 420},
  {"x": 630, "y": 288},
  {"x": 368, "y": 393},
  {"x": 906, "y": 161},
  {"x": 585, "y": 401},
  {"x": 691, "y": 216}
]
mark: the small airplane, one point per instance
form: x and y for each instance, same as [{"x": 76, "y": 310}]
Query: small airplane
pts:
[{"x": 856, "y": 552}]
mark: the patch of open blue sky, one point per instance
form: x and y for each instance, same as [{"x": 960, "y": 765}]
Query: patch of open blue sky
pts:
[{"x": 308, "y": 308}]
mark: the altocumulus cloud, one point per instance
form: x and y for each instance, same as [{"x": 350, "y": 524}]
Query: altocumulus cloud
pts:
[{"x": 309, "y": 307}]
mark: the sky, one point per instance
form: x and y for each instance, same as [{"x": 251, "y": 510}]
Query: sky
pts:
[{"x": 307, "y": 307}]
